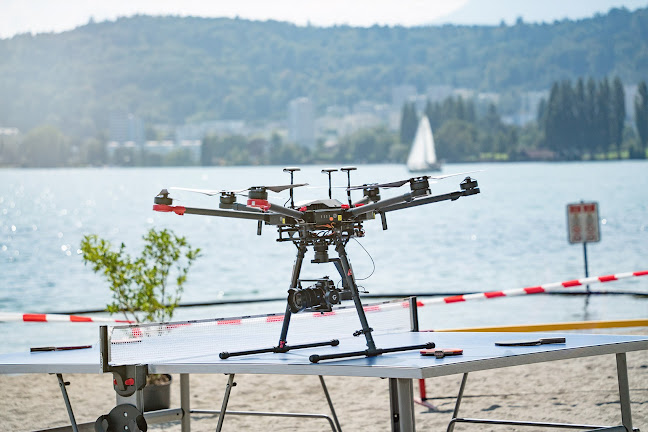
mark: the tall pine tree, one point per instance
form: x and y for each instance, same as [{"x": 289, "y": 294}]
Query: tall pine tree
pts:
[
  {"x": 409, "y": 123},
  {"x": 603, "y": 116},
  {"x": 552, "y": 123},
  {"x": 641, "y": 117},
  {"x": 591, "y": 138},
  {"x": 617, "y": 114},
  {"x": 580, "y": 118}
]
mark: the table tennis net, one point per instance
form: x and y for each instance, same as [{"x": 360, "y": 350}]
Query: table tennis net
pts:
[{"x": 149, "y": 343}]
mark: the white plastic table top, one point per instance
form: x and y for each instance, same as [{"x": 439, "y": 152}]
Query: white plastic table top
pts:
[{"x": 479, "y": 353}]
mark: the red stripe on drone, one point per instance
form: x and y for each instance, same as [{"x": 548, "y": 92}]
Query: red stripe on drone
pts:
[{"x": 179, "y": 210}]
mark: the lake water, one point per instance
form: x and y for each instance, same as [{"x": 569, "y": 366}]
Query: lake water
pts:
[{"x": 511, "y": 235}]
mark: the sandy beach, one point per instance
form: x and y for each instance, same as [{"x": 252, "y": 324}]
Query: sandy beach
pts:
[{"x": 580, "y": 390}]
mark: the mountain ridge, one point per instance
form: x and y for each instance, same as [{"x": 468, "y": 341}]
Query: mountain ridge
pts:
[{"x": 181, "y": 69}]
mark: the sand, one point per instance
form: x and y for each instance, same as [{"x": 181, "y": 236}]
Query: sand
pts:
[{"x": 580, "y": 390}]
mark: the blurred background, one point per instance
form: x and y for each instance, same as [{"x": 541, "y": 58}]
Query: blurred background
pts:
[{"x": 102, "y": 105}]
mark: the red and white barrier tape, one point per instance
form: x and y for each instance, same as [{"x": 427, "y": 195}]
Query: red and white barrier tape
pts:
[
  {"x": 30, "y": 317},
  {"x": 535, "y": 289},
  {"x": 9, "y": 316},
  {"x": 452, "y": 299}
]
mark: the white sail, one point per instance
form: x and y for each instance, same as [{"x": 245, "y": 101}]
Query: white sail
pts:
[{"x": 422, "y": 156}]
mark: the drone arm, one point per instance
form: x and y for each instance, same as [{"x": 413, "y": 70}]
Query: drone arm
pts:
[
  {"x": 240, "y": 207},
  {"x": 286, "y": 211},
  {"x": 380, "y": 205},
  {"x": 432, "y": 199},
  {"x": 213, "y": 212},
  {"x": 365, "y": 200}
]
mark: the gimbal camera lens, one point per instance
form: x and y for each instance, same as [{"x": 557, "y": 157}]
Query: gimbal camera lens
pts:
[
  {"x": 300, "y": 299},
  {"x": 319, "y": 297}
]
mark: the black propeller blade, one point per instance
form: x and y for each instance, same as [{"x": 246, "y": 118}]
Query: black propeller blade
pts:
[
  {"x": 400, "y": 183},
  {"x": 276, "y": 189}
]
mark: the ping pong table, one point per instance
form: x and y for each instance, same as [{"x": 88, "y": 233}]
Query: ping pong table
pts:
[{"x": 480, "y": 353}]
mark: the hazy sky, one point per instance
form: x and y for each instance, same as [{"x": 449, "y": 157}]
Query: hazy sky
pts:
[{"x": 37, "y": 16}]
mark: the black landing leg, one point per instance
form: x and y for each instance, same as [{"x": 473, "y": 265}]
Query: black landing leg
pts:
[
  {"x": 283, "y": 347},
  {"x": 347, "y": 274}
]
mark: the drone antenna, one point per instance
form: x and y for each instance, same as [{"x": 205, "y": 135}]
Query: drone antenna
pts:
[
  {"x": 348, "y": 171},
  {"x": 329, "y": 171},
  {"x": 291, "y": 170}
]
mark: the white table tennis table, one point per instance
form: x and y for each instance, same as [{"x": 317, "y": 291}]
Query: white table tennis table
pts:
[{"x": 479, "y": 353}]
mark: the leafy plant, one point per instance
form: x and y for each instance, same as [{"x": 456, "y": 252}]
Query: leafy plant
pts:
[{"x": 140, "y": 285}]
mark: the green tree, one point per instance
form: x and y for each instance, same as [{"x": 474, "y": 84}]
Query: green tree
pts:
[
  {"x": 224, "y": 150},
  {"x": 366, "y": 146},
  {"x": 580, "y": 118},
  {"x": 603, "y": 116},
  {"x": 409, "y": 123},
  {"x": 94, "y": 152},
  {"x": 641, "y": 117},
  {"x": 45, "y": 146},
  {"x": 590, "y": 118},
  {"x": 432, "y": 111},
  {"x": 554, "y": 120},
  {"x": 457, "y": 141},
  {"x": 617, "y": 114},
  {"x": 141, "y": 284}
]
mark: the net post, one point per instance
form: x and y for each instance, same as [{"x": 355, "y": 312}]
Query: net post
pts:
[
  {"x": 413, "y": 307},
  {"x": 104, "y": 348}
]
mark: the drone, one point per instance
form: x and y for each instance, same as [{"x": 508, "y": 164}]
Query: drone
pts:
[{"x": 321, "y": 224}]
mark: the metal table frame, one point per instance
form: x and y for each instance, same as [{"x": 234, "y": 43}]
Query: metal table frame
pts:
[
  {"x": 624, "y": 396},
  {"x": 399, "y": 368}
]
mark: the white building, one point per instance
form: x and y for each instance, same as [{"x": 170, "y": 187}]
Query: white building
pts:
[{"x": 301, "y": 122}]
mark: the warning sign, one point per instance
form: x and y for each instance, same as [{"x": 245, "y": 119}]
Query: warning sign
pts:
[{"x": 583, "y": 223}]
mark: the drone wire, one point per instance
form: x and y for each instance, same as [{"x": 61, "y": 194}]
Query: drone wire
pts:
[{"x": 370, "y": 257}]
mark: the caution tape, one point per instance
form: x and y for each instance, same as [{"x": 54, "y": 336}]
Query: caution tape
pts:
[
  {"x": 534, "y": 289},
  {"x": 539, "y": 289},
  {"x": 33, "y": 317}
]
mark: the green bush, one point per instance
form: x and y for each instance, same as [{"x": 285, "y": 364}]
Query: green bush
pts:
[{"x": 140, "y": 285}]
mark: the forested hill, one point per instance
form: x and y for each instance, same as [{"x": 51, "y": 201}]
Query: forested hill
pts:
[{"x": 174, "y": 69}]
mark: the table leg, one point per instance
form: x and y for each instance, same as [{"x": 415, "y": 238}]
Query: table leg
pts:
[
  {"x": 66, "y": 399},
  {"x": 455, "y": 413},
  {"x": 185, "y": 403},
  {"x": 228, "y": 389},
  {"x": 624, "y": 391},
  {"x": 330, "y": 402},
  {"x": 136, "y": 399},
  {"x": 401, "y": 395}
]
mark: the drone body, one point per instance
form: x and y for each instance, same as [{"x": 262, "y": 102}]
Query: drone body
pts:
[{"x": 320, "y": 224}]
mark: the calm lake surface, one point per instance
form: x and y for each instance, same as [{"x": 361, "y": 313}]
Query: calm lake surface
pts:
[{"x": 511, "y": 235}]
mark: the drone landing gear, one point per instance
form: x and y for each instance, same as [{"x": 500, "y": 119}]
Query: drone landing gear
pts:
[
  {"x": 370, "y": 353},
  {"x": 279, "y": 349},
  {"x": 344, "y": 268}
]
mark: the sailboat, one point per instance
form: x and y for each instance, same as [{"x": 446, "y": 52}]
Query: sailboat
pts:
[{"x": 422, "y": 156}]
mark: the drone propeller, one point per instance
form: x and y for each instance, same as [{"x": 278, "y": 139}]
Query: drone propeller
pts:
[
  {"x": 400, "y": 183},
  {"x": 276, "y": 189},
  {"x": 280, "y": 188}
]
